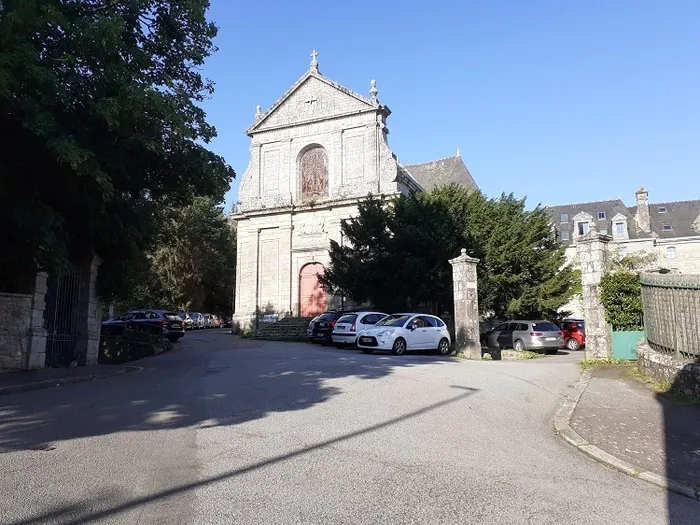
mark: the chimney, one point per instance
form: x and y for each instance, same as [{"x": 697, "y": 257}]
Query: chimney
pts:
[{"x": 643, "y": 218}]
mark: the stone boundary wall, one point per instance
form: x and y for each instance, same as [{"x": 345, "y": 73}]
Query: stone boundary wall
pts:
[
  {"x": 672, "y": 314},
  {"x": 681, "y": 376},
  {"x": 15, "y": 333}
]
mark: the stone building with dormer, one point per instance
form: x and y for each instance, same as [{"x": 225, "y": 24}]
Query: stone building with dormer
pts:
[
  {"x": 668, "y": 230},
  {"x": 314, "y": 154}
]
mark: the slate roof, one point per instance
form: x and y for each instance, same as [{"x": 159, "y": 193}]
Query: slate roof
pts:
[
  {"x": 442, "y": 172},
  {"x": 610, "y": 208},
  {"x": 679, "y": 215}
]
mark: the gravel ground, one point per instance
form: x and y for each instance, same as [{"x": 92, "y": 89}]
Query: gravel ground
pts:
[{"x": 222, "y": 430}]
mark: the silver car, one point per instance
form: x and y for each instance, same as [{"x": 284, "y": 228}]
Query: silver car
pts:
[{"x": 526, "y": 335}]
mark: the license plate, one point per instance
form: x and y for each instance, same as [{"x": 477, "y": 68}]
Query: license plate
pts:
[
  {"x": 551, "y": 339},
  {"x": 365, "y": 339}
]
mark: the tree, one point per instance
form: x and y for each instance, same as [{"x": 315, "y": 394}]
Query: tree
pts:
[
  {"x": 397, "y": 253},
  {"x": 101, "y": 129},
  {"x": 521, "y": 270},
  {"x": 193, "y": 264}
]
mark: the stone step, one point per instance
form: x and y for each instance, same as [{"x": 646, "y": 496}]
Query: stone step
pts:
[{"x": 287, "y": 329}]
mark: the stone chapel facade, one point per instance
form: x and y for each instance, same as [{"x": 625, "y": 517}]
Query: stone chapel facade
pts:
[{"x": 314, "y": 155}]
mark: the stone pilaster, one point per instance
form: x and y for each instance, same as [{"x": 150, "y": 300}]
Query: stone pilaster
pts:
[
  {"x": 88, "y": 339},
  {"x": 36, "y": 357},
  {"x": 466, "y": 311},
  {"x": 592, "y": 252}
]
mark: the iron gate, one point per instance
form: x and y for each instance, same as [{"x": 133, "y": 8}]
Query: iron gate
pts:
[{"x": 61, "y": 317}]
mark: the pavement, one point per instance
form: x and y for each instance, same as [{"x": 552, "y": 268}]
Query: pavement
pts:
[
  {"x": 631, "y": 421},
  {"x": 15, "y": 382},
  {"x": 224, "y": 430}
]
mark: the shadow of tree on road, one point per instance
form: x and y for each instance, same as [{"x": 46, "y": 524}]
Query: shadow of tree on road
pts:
[
  {"x": 303, "y": 375},
  {"x": 235, "y": 381}
]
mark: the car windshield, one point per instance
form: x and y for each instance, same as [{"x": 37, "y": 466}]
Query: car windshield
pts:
[
  {"x": 328, "y": 317},
  {"x": 394, "y": 320},
  {"x": 545, "y": 327},
  {"x": 347, "y": 319},
  {"x": 173, "y": 316}
]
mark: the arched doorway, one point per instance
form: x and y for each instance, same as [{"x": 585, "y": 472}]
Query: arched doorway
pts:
[{"x": 312, "y": 297}]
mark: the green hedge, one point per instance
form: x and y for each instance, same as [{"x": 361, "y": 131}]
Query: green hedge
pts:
[{"x": 621, "y": 295}]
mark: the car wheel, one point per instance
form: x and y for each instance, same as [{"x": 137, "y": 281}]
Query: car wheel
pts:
[
  {"x": 444, "y": 347},
  {"x": 573, "y": 344},
  {"x": 367, "y": 351},
  {"x": 518, "y": 345},
  {"x": 399, "y": 347}
]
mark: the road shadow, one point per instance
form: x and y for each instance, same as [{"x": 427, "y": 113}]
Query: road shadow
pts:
[
  {"x": 212, "y": 380},
  {"x": 297, "y": 380}
]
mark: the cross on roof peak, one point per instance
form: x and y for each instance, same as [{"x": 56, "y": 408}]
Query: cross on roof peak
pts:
[{"x": 314, "y": 61}]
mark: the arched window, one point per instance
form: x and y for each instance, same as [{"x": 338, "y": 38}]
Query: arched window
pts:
[{"x": 314, "y": 173}]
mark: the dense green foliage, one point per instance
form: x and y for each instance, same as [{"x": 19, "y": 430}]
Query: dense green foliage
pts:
[
  {"x": 621, "y": 295},
  {"x": 396, "y": 255},
  {"x": 101, "y": 130},
  {"x": 193, "y": 265}
]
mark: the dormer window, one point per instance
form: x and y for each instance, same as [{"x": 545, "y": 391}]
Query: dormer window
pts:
[
  {"x": 564, "y": 217},
  {"x": 668, "y": 228},
  {"x": 662, "y": 209},
  {"x": 601, "y": 215},
  {"x": 583, "y": 228},
  {"x": 619, "y": 228}
]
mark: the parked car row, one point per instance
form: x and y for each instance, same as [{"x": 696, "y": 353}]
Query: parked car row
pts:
[
  {"x": 168, "y": 322},
  {"x": 171, "y": 324},
  {"x": 370, "y": 331},
  {"x": 197, "y": 321},
  {"x": 547, "y": 336}
]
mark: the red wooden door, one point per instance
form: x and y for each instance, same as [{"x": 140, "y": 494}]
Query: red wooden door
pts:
[{"x": 312, "y": 297}]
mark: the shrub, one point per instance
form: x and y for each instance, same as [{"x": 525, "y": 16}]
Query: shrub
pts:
[{"x": 621, "y": 295}]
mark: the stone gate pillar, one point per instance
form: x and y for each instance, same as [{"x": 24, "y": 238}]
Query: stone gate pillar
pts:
[
  {"x": 466, "y": 311},
  {"x": 592, "y": 252},
  {"x": 88, "y": 339},
  {"x": 36, "y": 357}
]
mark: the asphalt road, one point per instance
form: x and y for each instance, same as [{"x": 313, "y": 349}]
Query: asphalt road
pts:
[{"x": 228, "y": 431}]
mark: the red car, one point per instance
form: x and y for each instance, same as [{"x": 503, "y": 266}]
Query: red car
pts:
[{"x": 574, "y": 333}]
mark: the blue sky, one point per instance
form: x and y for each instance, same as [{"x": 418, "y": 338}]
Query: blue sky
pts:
[{"x": 559, "y": 101}]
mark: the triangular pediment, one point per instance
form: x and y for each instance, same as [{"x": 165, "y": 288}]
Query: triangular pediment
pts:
[
  {"x": 313, "y": 97},
  {"x": 582, "y": 216},
  {"x": 619, "y": 217}
]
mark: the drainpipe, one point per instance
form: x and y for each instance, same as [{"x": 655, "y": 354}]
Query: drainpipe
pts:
[{"x": 257, "y": 277}]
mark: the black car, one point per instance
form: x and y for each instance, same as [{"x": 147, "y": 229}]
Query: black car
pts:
[
  {"x": 321, "y": 327},
  {"x": 169, "y": 323}
]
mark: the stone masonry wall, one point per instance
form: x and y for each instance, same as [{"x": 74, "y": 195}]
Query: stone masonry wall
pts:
[{"x": 15, "y": 323}]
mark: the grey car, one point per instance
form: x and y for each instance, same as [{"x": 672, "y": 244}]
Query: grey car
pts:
[{"x": 526, "y": 335}]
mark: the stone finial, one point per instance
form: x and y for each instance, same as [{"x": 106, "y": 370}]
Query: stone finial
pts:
[
  {"x": 463, "y": 252},
  {"x": 373, "y": 91},
  {"x": 258, "y": 112},
  {"x": 314, "y": 60},
  {"x": 458, "y": 152}
]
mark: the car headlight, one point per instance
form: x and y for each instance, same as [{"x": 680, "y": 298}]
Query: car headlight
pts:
[{"x": 384, "y": 333}]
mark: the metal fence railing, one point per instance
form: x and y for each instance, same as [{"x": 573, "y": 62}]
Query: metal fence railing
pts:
[{"x": 672, "y": 313}]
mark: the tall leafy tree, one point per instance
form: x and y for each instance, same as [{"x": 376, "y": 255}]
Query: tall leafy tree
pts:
[
  {"x": 101, "y": 129},
  {"x": 396, "y": 254},
  {"x": 193, "y": 264}
]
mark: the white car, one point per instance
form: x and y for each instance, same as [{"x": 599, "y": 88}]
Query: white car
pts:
[
  {"x": 347, "y": 327},
  {"x": 404, "y": 332}
]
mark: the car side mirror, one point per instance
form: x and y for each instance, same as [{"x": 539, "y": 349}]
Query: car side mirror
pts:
[{"x": 412, "y": 327}]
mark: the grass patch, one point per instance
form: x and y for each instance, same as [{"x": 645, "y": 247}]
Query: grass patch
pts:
[
  {"x": 526, "y": 354},
  {"x": 487, "y": 357},
  {"x": 587, "y": 363},
  {"x": 663, "y": 387}
]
